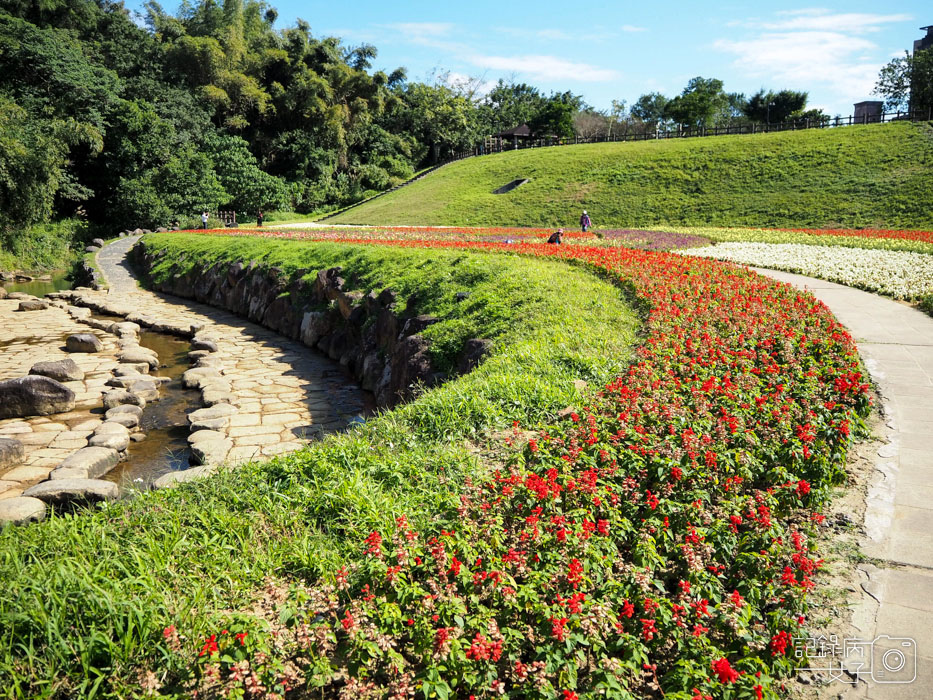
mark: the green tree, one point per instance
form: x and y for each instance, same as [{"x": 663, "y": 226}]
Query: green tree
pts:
[
  {"x": 509, "y": 105},
  {"x": 774, "y": 107},
  {"x": 700, "y": 104},
  {"x": 555, "y": 119},
  {"x": 239, "y": 174},
  {"x": 650, "y": 108},
  {"x": 907, "y": 82}
]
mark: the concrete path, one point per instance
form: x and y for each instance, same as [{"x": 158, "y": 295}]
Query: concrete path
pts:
[{"x": 896, "y": 344}]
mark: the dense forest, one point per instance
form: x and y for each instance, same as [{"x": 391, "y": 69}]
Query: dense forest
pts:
[{"x": 213, "y": 107}]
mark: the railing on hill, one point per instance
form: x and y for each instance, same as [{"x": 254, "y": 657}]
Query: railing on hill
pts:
[{"x": 499, "y": 145}]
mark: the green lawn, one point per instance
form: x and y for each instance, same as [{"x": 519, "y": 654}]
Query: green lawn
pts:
[
  {"x": 864, "y": 176},
  {"x": 84, "y": 599}
]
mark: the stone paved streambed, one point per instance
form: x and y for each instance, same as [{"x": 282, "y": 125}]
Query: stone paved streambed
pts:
[
  {"x": 263, "y": 394},
  {"x": 225, "y": 391},
  {"x": 28, "y": 337}
]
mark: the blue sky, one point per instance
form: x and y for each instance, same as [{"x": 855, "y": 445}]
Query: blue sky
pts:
[{"x": 621, "y": 50}]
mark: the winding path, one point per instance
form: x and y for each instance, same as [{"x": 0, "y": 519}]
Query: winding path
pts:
[
  {"x": 283, "y": 391},
  {"x": 896, "y": 344}
]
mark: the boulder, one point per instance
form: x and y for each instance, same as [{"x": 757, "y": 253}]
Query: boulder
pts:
[
  {"x": 210, "y": 451},
  {"x": 78, "y": 312},
  {"x": 3, "y": 293},
  {"x": 124, "y": 329},
  {"x": 212, "y": 418},
  {"x": 65, "y": 370},
  {"x": 91, "y": 249},
  {"x": 205, "y": 435},
  {"x": 145, "y": 389},
  {"x": 64, "y": 491},
  {"x": 99, "y": 242},
  {"x": 83, "y": 342},
  {"x": 180, "y": 477},
  {"x": 34, "y": 395},
  {"x": 118, "y": 397},
  {"x": 124, "y": 409},
  {"x": 21, "y": 296},
  {"x": 110, "y": 439},
  {"x": 474, "y": 350},
  {"x": 314, "y": 326},
  {"x": 93, "y": 461},
  {"x": 127, "y": 420},
  {"x": 33, "y": 305},
  {"x": 208, "y": 344},
  {"x": 417, "y": 324},
  {"x": 21, "y": 510},
  {"x": 123, "y": 381},
  {"x": 192, "y": 378},
  {"x": 213, "y": 360},
  {"x": 11, "y": 452},
  {"x": 213, "y": 397},
  {"x": 139, "y": 356}
]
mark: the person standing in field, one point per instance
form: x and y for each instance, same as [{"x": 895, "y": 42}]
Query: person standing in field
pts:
[
  {"x": 259, "y": 218},
  {"x": 204, "y": 220},
  {"x": 585, "y": 222}
]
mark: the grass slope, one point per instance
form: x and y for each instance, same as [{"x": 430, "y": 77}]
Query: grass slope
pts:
[
  {"x": 848, "y": 177},
  {"x": 84, "y": 599}
]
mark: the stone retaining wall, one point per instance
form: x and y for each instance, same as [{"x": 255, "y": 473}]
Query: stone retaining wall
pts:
[{"x": 384, "y": 349}]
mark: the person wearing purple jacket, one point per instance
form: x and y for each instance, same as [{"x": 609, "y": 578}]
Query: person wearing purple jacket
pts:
[{"x": 585, "y": 222}]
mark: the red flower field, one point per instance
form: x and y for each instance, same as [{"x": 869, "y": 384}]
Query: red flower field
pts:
[{"x": 656, "y": 542}]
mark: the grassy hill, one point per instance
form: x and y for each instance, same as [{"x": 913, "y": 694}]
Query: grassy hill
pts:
[{"x": 865, "y": 176}]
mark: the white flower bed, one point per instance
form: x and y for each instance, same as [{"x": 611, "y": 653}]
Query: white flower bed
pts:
[{"x": 897, "y": 274}]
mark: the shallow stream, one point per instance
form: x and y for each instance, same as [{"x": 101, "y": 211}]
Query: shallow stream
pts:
[
  {"x": 39, "y": 288},
  {"x": 164, "y": 421}
]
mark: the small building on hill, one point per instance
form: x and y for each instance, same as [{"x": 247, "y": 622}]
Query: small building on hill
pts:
[
  {"x": 521, "y": 133},
  {"x": 926, "y": 42},
  {"x": 868, "y": 111}
]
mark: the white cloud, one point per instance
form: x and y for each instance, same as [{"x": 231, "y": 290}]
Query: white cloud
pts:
[
  {"x": 475, "y": 86},
  {"x": 432, "y": 34},
  {"x": 821, "y": 19},
  {"x": 798, "y": 60},
  {"x": 812, "y": 49},
  {"x": 633, "y": 28},
  {"x": 546, "y": 68}
]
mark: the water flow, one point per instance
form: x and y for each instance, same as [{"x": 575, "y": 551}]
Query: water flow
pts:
[
  {"x": 39, "y": 288},
  {"x": 164, "y": 422}
]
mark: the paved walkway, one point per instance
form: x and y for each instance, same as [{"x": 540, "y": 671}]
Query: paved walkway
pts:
[
  {"x": 283, "y": 392},
  {"x": 896, "y": 344}
]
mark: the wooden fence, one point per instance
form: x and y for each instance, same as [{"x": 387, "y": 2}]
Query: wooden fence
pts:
[{"x": 497, "y": 145}]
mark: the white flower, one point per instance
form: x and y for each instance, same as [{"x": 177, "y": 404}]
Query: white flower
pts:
[{"x": 897, "y": 274}]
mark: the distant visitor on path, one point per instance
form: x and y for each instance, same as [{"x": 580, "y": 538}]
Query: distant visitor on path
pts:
[
  {"x": 259, "y": 218},
  {"x": 585, "y": 222},
  {"x": 204, "y": 221},
  {"x": 556, "y": 238}
]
